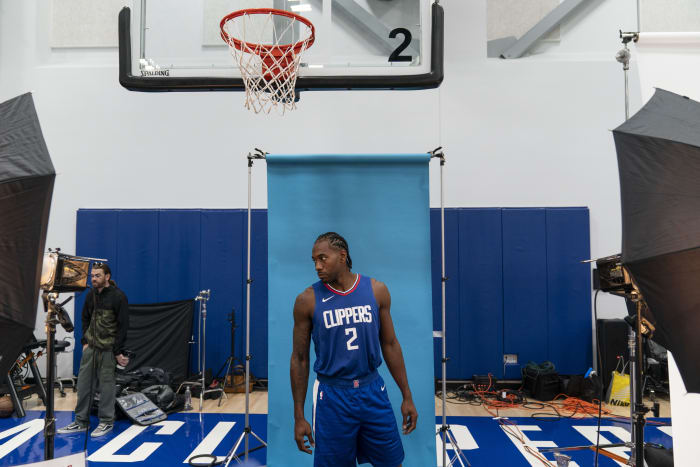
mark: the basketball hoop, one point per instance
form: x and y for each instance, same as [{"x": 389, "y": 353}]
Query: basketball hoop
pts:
[{"x": 259, "y": 41}]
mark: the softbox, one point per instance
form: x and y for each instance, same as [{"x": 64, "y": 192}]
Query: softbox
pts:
[
  {"x": 658, "y": 153},
  {"x": 26, "y": 185}
]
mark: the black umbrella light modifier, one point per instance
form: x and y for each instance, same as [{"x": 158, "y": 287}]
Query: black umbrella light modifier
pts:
[
  {"x": 26, "y": 186},
  {"x": 658, "y": 154}
]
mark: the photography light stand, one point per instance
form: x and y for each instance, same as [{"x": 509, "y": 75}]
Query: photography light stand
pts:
[
  {"x": 50, "y": 420},
  {"x": 634, "y": 337},
  {"x": 613, "y": 277},
  {"x": 203, "y": 298},
  {"x": 445, "y": 431},
  {"x": 639, "y": 327},
  {"x": 247, "y": 431},
  {"x": 60, "y": 273},
  {"x": 634, "y": 340},
  {"x": 623, "y": 56},
  {"x": 55, "y": 314}
]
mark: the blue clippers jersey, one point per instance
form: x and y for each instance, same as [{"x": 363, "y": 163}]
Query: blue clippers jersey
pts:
[{"x": 346, "y": 330}]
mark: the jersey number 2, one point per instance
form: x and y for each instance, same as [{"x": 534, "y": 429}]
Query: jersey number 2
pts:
[{"x": 352, "y": 339}]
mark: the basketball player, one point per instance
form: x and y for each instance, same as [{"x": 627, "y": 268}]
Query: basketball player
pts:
[{"x": 347, "y": 315}]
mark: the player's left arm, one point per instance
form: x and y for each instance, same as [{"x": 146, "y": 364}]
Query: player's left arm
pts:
[{"x": 393, "y": 356}]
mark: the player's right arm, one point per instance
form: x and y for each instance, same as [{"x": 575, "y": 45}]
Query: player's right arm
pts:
[{"x": 299, "y": 366}]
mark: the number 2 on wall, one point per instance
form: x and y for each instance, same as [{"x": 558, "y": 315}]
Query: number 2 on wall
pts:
[{"x": 352, "y": 339}]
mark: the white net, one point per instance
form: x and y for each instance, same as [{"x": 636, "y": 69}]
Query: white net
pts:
[{"x": 267, "y": 45}]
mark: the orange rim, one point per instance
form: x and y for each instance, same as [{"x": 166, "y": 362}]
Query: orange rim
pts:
[{"x": 284, "y": 48}]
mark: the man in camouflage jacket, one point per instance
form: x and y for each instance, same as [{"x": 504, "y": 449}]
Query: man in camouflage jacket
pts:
[{"x": 105, "y": 323}]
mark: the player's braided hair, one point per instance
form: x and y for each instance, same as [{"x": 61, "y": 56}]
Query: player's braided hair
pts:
[{"x": 337, "y": 241}]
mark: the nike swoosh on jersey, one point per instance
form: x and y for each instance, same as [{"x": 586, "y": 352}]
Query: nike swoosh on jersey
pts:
[
  {"x": 383, "y": 387},
  {"x": 324, "y": 300}
]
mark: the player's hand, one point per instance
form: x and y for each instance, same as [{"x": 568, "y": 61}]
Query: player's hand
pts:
[
  {"x": 410, "y": 416},
  {"x": 303, "y": 429},
  {"x": 84, "y": 347}
]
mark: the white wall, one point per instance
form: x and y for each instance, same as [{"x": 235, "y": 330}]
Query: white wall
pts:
[
  {"x": 670, "y": 61},
  {"x": 528, "y": 132}
]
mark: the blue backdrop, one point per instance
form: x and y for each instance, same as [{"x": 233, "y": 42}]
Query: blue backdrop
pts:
[{"x": 380, "y": 204}]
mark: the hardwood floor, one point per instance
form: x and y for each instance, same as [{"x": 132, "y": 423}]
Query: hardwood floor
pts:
[{"x": 235, "y": 403}]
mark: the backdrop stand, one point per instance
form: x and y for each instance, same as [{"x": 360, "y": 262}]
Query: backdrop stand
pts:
[
  {"x": 444, "y": 430},
  {"x": 247, "y": 431}
]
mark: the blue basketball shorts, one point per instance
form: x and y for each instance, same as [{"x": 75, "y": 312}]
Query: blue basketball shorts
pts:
[{"x": 355, "y": 424}]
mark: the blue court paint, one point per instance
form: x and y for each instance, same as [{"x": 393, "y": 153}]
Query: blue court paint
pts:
[
  {"x": 380, "y": 204},
  {"x": 153, "y": 446},
  {"x": 483, "y": 441}
]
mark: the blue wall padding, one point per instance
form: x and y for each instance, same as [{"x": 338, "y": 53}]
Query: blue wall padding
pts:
[
  {"x": 223, "y": 271},
  {"x": 96, "y": 236},
  {"x": 474, "y": 291},
  {"x": 167, "y": 255},
  {"x": 525, "y": 284},
  {"x": 137, "y": 247},
  {"x": 381, "y": 205},
  {"x": 475, "y": 255},
  {"x": 569, "y": 289},
  {"x": 452, "y": 312},
  {"x": 481, "y": 260},
  {"x": 259, "y": 288},
  {"x": 179, "y": 244}
]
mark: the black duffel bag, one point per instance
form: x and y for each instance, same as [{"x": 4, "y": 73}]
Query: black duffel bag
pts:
[{"x": 541, "y": 381}]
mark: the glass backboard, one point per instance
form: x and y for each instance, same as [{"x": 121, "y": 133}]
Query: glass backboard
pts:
[{"x": 360, "y": 44}]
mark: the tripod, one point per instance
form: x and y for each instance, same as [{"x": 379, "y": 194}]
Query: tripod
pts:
[
  {"x": 247, "y": 431},
  {"x": 232, "y": 363},
  {"x": 445, "y": 432}
]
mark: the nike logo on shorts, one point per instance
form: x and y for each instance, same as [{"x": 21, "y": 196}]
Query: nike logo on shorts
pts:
[
  {"x": 324, "y": 300},
  {"x": 383, "y": 387}
]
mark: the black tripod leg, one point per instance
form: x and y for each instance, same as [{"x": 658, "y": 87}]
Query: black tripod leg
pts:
[
  {"x": 37, "y": 380},
  {"x": 226, "y": 364},
  {"x": 19, "y": 410}
]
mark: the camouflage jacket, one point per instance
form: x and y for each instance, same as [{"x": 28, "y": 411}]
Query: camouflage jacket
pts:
[{"x": 105, "y": 319}]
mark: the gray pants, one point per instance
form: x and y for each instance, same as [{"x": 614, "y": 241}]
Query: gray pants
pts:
[{"x": 105, "y": 367}]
